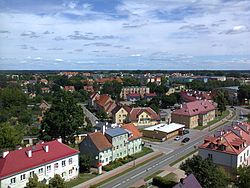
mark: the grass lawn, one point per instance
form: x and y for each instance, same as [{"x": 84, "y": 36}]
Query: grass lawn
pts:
[
  {"x": 171, "y": 177},
  {"x": 81, "y": 178},
  {"x": 182, "y": 158},
  {"x": 120, "y": 162},
  {"x": 217, "y": 119},
  {"x": 153, "y": 175}
]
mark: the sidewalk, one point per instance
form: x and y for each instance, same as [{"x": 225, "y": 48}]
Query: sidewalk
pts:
[{"x": 118, "y": 170}]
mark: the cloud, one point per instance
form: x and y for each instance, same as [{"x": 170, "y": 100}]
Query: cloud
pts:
[
  {"x": 55, "y": 49},
  {"x": 38, "y": 58},
  {"x": 100, "y": 44},
  {"x": 47, "y": 32},
  {"x": 59, "y": 38},
  {"x": 4, "y": 31},
  {"x": 236, "y": 30},
  {"x": 30, "y": 34},
  {"x": 59, "y": 60},
  {"x": 135, "y": 55}
]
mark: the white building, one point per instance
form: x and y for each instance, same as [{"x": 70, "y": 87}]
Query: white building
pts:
[
  {"x": 112, "y": 144},
  {"x": 44, "y": 159},
  {"x": 229, "y": 148}
]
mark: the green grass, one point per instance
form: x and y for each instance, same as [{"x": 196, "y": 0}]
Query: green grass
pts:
[
  {"x": 126, "y": 171},
  {"x": 119, "y": 162},
  {"x": 81, "y": 178},
  {"x": 182, "y": 158},
  {"x": 217, "y": 119},
  {"x": 153, "y": 175},
  {"x": 171, "y": 177}
]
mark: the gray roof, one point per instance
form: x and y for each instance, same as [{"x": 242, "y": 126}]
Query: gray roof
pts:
[{"x": 113, "y": 132}]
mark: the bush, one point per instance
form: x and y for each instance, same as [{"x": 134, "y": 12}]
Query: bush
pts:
[{"x": 162, "y": 182}]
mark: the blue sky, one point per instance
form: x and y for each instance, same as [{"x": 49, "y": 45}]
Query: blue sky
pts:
[{"x": 124, "y": 34}]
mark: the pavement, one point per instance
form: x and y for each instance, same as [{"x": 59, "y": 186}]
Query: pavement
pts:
[{"x": 89, "y": 114}]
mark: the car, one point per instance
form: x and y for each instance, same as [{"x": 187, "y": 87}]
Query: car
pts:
[
  {"x": 177, "y": 138},
  {"x": 185, "y": 131},
  {"x": 185, "y": 140}
]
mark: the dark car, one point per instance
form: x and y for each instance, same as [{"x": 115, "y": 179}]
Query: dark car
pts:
[
  {"x": 185, "y": 131},
  {"x": 185, "y": 140}
]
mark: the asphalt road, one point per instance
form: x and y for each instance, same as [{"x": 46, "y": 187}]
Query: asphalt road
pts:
[
  {"x": 89, "y": 114},
  {"x": 128, "y": 179}
]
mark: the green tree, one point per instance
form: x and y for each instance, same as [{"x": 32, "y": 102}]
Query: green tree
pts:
[
  {"x": 85, "y": 163},
  {"x": 57, "y": 182},
  {"x": 207, "y": 173},
  {"x": 244, "y": 93},
  {"x": 34, "y": 183},
  {"x": 243, "y": 177},
  {"x": 63, "y": 119},
  {"x": 112, "y": 88},
  {"x": 10, "y": 136},
  {"x": 220, "y": 99}
]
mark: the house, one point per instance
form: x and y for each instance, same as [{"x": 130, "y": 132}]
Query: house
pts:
[
  {"x": 176, "y": 88},
  {"x": 140, "y": 116},
  {"x": 163, "y": 131},
  {"x": 45, "y": 90},
  {"x": 156, "y": 80},
  {"x": 44, "y": 159},
  {"x": 69, "y": 88},
  {"x": 133, "y": 97},
  {"x": 88, "y": 88},
  {"x": 44, "y": 81},
  {"x": 104, "y": 102},
  {"x": 193, "y": 114},
  {"x": 149, "y": 96},
  {"x": 101, "y": 81},
  {"x": 229, "y": 147},
  {"x": 193, "y": 95},
  {"x": 188, "y": 182},
  {"x": 68, "y": 74},
  {"x": 142, "y": 90},
  {"x": 44, "y": 106},
  {"x": 111, "y": 144}
]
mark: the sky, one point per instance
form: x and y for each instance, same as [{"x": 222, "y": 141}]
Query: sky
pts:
[{"x": 124, "y": 34}]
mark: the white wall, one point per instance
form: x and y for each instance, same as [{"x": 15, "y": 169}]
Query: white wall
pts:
[
  {"x": 243, "y": 157},
  {"x": 46, "y": 174}
]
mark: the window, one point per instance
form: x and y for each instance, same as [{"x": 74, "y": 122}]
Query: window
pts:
[
  {"x": 106, "y": 159},
  {"x": 40, "y": 170},
  {"x": 117, "y": 147},
  {"x": 63, "y": 174},
  {"x": 110, "y": 158},
  {"x": 70, "y": 172},
  {"x": 210, "y": 156},
  {"x": 247, "y": 152},
  {"x": 22, "y": 177},
  {"x": 49, "y": 168},
  {"x": 12, "y": 180},
  {"x": 32, "y": 173},
  {"x": 70, "y": 161},
  {"x": 56, "y": 165},
  {"x": 240, "y": 158},
  {"x": 63, "y": 163}
]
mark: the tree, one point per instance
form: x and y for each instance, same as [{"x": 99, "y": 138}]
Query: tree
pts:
[
  {"x": 243, "y": 177},
  {"x": 221, "y": 101},
  {"x": 112, "y": 88},
  {"x": 85, "y": 163},
  {"x": 34, "y": 183},
  {"x": 57, "y": 182},
  {"x": 207, "y": 173},
  {"x": 63, "y": 119},
  {"x": 244, "y": 93},
  {"x": 10, "y": 136}
]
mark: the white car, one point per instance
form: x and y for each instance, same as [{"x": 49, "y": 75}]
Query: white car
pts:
[{"x": 177, "y": 138}]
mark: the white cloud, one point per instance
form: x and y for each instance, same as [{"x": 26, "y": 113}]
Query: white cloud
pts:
[{"x": 60, "y": 60}]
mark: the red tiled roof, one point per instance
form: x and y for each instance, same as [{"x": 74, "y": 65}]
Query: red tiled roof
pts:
[
  {"x": 133, "y": 95},
  {"x": 131, "y": 128},
  {"x": 135, "y": 112},
  {"x": 117, "y": 108},
  {"x": 100, "y": 141},
  {"x": 17, "y": 161},
  {"x": 189, "y": 96},
  {"x": 103, "y": 99},
  {"x": 103, "y": 80},
  {"x": 68, "y": 88},
  {"x": 195, "y": 108}
]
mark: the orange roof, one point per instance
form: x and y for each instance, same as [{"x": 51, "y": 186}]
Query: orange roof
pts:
[
  {"x": 132, "y": 128},
  {"x": 135, "y": 112},
  {"x": 100, "y": 141},
  {"x": 103, "y": 100}
]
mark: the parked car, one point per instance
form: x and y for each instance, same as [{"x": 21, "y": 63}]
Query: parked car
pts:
[
  {"x": 185, "y": 131},
  {"x": 185, "y": 140},
  {"x": 177, "y": 138}
]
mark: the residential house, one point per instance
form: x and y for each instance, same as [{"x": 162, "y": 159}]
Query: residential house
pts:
[
  {"x": 44, "y": 81},
  {"x": 101, "y": 81},
  {"x": 133, "y": 97},
  {"x": 43, "y": 159},
  {"x": 88, "y": 88},
  {"x": 193, "y": 114},
  {"x": 111, "y": 144},
  {"x": 156, "y": 80},
  {"x": 69, "y": 88},
  {"x": 140, "y": 116},
  {"x": 142, "y": 90},
  {"x": 149, "y": 96},
  {"x": 103, "y": 102},
  {"x": 229, "y": 147},
  {"x": 188, "y": 182},
  {"x": 45, "y": 90},
  {"x": 44, "y": 106},
  {"x": 193, "y": 95}
]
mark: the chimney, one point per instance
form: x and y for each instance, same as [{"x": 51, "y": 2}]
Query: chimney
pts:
[
  {"x": 103, "y": 129},
  {"x": 46, "y": 148},
  {"x": 59, "y": 140},
  {"x": 29, "y": 153},
  {"x": 5, "y": 153}
]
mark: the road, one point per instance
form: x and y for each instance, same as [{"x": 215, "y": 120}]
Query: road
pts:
[
  {"x": 90, "y": 115},
  {"x": 128, "y": 179}
]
